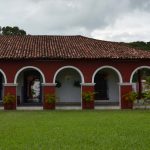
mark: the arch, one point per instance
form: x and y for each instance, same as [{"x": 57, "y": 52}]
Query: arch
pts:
[
  {"x": 136, "y": 69},
  {"x": 67, "y": 67},
  {"x": 29, "y": 67},
  {"x": 109, "y": 67},
  {"x": 2, "y": 72}
]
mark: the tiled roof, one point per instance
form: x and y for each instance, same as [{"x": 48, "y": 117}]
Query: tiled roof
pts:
[{"x": 65, "y": 47}]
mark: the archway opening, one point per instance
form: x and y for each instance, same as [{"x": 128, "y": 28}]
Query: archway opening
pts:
[
  {"x": 141, "y": 80},
  {"x": 68, "y": 88},
  {"x": 2, "y": 81},
  {"x": 29, "y": 91},
  {"x": 106, "y": 87}
]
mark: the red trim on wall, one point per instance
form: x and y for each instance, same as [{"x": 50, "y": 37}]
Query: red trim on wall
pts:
[{"x": 87, "y": 67}]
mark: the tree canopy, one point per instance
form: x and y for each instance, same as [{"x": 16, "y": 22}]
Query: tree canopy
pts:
[
  {"x": 12, "y": 31},
  {"x": 8, "y": 30},
  {"x": 140, "y": 44}
]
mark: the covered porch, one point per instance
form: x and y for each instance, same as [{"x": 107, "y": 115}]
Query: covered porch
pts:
[
  {"x": 107, "y": 81},
  {"x": 68, "y": 89}
]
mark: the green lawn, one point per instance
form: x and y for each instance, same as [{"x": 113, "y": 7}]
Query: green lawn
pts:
[{"x": 66, "y": 130}]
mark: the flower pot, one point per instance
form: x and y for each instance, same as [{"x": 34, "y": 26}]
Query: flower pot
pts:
[
  {"x": 49, "y": 106},
  {"x": 88, "y": 104},
  {"x": 10, "y": 106}
]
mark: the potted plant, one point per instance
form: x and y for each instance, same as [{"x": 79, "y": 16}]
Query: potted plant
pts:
[
  {"x": 129, "y": 98},
  {"x": 49, "y": 101},
  {"x": 58, "y": 84},
  {"x": 88, "y": 100},
  {"x": 9, "y": 101},
  {"x": 146, "y": 98},
  {"x": 77, "y": 83}
]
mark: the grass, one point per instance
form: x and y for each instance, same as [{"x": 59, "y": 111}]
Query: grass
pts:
[{"x": 75, "y": 130}]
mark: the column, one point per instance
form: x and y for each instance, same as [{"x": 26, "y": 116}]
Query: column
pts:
[
  {"x": 124, "y": 89},
  {"x": 10, "y": 88},
  {"x": 88, "y": 89},
  {"x": 48, "y": 88},
  {"x": 139, "y": 85}
]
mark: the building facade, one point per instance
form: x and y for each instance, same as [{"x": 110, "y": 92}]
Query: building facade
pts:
[{"x": 67, "y": 66}]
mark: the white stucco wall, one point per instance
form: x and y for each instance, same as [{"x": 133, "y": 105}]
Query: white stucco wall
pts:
[{"x": 68, "y": 92}]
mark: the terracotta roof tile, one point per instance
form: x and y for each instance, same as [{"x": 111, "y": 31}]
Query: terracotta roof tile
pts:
[{"x": 64, "y": 47}]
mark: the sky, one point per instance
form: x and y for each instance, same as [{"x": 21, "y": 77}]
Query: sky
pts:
[{"x": 111, "y": 20}]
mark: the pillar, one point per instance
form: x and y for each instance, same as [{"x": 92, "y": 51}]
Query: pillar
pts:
[
  {"x": 139, "y": 84},
  {"x": 48, "y": 88},
  {"x": 124, "y": 89},
  {"x": 88, "y": 88},
  {"x": 11, "y": 89}
]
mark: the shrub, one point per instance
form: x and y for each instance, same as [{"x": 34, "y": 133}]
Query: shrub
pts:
[
  {"x": 131, "y": 96},
  {"x": 146, "y": 95},
  {"x": 88, "y": 96},
  {"x": 49, "y": 98},
  {"x": 9, "y": 98}
]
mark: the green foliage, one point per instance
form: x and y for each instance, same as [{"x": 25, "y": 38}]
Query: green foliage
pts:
[
  {"x": 148, "y": 80},
  {"x": 140, "y": 45},
  {"x": 75, "y": 130},
  {"x": 77, "y": 83},
  {"x": 58, "y": 84},
  {"x": 88, "y": 96},
  {"x": 146, "y": 95},
  {"x": 9, "y": 98},
  {"x": 12, "y": 31},
  {"x": 50, "y": 98},
  {"x": 131, "y": 96},
  {"x": 32, "y": 91},
  {"x": 147, "y": 84},
  {"x": 145, "y": 74}
]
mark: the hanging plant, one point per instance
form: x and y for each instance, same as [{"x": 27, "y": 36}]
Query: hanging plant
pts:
[
  {"x": 58, "y": 84},
  {"x": 77, "y": 83}
]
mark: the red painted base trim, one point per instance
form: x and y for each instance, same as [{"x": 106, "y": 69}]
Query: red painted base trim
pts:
[
  {"x": 127, "y": 105},
  {"x": 124, "y": 103},
  {"x": 88, "y": 105},
  {"x": 49, "y": 106},
  {"x": 10, "y": 106}
]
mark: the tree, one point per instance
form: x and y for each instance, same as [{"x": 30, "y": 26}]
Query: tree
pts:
[
  {"x": 12, "y": 31},
  {"x": 140, "y": 45}
]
